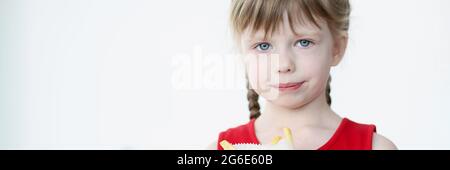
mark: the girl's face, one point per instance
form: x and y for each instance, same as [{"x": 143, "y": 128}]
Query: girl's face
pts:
[{"x": 290, "y": 69}]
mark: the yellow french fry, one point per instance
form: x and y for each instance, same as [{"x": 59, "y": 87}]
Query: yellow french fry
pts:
[
  {"x": 226, "y": 145},
  {"x": 288, "y": 135},
  {"x": 275, "y": 140}
]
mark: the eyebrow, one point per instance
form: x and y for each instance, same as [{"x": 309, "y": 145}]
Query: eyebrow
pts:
[
  {"x": 258, "y": 35},
  {"x": 306, "y": 33}
]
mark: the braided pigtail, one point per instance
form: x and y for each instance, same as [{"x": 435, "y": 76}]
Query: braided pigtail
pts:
[
  {"x": 253, "y": 104},
  {"x": 328, "y": 90}
]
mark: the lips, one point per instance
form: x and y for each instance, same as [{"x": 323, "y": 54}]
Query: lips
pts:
[{"x": 291, "y": 86}]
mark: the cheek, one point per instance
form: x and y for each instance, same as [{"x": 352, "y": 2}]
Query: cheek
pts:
[
  {"x": 315, "y": 63},
  {"x": 257, "y": 71},
  {"x": 312, "y": 68}
]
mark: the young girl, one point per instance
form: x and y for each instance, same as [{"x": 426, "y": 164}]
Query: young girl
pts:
[{"x": 305, "y": 38}]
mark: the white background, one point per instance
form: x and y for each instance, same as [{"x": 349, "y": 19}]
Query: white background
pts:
[{"x": 82, "y": 74}]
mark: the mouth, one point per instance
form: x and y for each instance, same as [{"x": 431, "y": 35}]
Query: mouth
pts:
[{"x": 291, "y": 86}]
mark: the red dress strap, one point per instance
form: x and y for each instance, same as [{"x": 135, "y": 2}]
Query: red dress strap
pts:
[{"x": 351, "y": 136}]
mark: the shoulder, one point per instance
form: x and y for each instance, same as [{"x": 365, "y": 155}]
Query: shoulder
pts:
[{"x": 380, "y": 142}]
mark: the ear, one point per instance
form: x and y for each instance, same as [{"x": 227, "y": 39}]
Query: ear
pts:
[{"x": 340, "y": 44}]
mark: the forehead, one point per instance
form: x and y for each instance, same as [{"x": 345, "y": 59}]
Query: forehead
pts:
[{"x": 286, "y": 28}]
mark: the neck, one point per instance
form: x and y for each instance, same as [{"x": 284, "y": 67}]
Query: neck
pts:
[{"x": 314, "y": 113}]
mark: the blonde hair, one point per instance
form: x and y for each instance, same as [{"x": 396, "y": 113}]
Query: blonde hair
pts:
[{"x": 267, "y": 15}]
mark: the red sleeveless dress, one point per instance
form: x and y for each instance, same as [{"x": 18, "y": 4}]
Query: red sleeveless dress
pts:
[{"x": 348, "y": 136}]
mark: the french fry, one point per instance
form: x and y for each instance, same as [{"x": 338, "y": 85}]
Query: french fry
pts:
[
  {"x": 288, "y": 135},
  {"x": 275, "y": 140},
  {"x": 226, "y": 145}
]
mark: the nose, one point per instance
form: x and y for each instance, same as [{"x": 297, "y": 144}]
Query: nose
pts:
[
  {"x": 284, "y": 70},
  {"x": 285, "y": 62}
]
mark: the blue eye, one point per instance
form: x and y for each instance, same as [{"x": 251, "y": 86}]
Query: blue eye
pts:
[
  {"x": 263, "y": 47},
  {"x": 303, "y": 43}
]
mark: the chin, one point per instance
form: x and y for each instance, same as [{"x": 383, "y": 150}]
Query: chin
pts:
[{"x": 290, "y": 102}]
